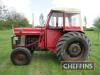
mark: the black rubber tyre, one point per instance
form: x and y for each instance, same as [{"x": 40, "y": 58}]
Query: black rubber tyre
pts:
[
  {"x": 20, "y": 56},
  {"x": 73, "y": 46}
]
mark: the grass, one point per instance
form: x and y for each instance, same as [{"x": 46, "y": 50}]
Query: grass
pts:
[{"x": 43, "y": 63}]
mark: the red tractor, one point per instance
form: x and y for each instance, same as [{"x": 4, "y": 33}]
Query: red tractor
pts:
[{"x": 62, "y": 35}]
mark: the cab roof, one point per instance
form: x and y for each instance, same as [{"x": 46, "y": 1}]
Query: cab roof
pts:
[{"x": 66, "y": 10}]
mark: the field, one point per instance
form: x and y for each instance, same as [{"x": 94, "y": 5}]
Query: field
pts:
[{"x": 43, "y": 63}]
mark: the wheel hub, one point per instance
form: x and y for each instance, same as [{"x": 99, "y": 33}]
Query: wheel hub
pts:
[
  {"x": 74, "y": 50},
  {"x": 20, "y": 58}
]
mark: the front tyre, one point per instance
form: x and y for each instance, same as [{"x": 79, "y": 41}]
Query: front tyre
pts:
[
  {"x": 20, "y": 56},
  {"x": 73, "y": 46}
]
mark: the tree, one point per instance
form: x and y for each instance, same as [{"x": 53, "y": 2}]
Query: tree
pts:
[
  {"x": 11, "y": 18},
  {"x": 85, "y": 21},
  {"x": 97, "y": 25},
  {"x": 3, "y": 11},
  {"x": 17, "y": 19},
  {"x": 41, "y": 20}
]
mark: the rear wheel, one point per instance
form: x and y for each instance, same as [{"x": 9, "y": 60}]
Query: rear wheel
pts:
[
  {"x": 20, "y": 56},
  {"x": 73, "y": 46}
]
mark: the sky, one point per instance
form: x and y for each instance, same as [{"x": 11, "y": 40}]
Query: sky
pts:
[{"x": 89, "y": 8}]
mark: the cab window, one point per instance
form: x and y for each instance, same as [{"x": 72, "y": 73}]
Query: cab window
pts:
[{"x": 56, "y": 20}]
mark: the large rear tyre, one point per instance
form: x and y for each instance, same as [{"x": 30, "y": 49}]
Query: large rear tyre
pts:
[
  {"x": 73, "y": 46},
  {"x": 20, "y": 56}
]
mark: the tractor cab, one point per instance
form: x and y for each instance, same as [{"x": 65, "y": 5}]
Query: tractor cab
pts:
[{"x": 66, "y": 19}]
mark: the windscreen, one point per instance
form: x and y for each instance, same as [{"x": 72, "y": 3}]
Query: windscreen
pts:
[{"x": 72, "y": 20}]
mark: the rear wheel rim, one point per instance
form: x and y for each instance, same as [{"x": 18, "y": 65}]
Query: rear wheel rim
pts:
[{"x": 74, "y": 50}]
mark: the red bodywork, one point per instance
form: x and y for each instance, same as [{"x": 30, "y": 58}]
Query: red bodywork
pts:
[{"x": 48, "y": 38}]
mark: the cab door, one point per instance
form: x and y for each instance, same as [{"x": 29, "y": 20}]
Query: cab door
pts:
[{"x": 53, "y": 32}]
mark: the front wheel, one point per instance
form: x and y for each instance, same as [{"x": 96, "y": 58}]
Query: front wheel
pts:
[
  {"x": 73, "y": 46},
  {"x": 20, "y": 56}
]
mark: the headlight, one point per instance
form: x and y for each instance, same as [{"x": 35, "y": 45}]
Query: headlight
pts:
[{"x": 15, "y": 38}]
